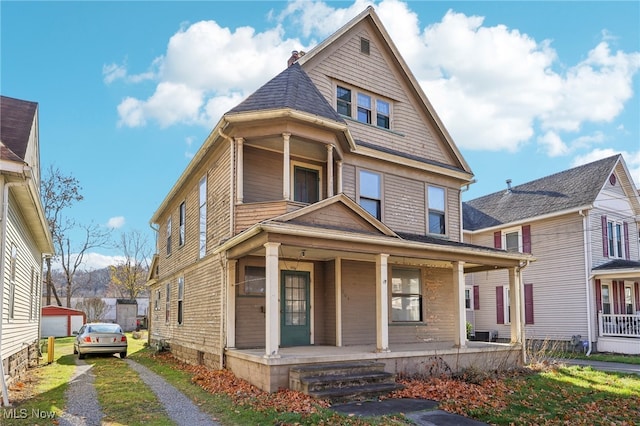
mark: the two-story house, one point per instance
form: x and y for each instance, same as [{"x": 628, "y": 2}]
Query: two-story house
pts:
[
  {"x": 582, "y": 227},
  {"x": 24, "y": 237},
  {"x": 321, "y": 221}
]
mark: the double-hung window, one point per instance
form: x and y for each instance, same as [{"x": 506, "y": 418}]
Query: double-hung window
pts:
[
  {"x": 183, "y": 218},
  {"x": 202, "y": 215},
  {"x": 344, "y": 101},
  {"x": 364, "y": 108},
  {"x": 614, "y": 233},
  {"x": 169, "y": 236},
  {"x": 436, "y": 202},
  {"x": 370, "y": 194},
  {"x": 606, "y": 299},
  {"x": 180, "y": 300},
  {"x": 167, "y": 304},
  {"x": 382, "y": 113},
  {"x": 406, "y": 295}
]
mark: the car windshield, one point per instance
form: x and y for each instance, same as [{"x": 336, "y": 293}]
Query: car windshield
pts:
[{"x": 104, "y": 328}]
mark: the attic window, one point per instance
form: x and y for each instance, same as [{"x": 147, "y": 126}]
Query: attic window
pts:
[
  {"x": 364, "y": 46},
  {"x": 612, "y": 180}
]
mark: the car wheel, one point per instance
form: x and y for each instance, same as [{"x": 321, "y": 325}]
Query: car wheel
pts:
[
  {"x": 123, "y": 354},
  {"x": 81, "y": 355}
]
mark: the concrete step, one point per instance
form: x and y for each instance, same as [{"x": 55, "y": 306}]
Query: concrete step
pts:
[{"x": 356, "y": 392}]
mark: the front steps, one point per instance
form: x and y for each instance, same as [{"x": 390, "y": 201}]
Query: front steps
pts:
[{"x": 342, "y": 381}]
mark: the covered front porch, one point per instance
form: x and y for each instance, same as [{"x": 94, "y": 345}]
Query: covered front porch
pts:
[
  {"x": 617, "y": 292},
  {"x": 329, "y": 283}
]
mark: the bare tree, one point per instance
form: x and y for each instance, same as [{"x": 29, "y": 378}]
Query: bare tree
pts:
[
  {"x": 94, "y": 308},
  {"x": 129, "y": 276},
  {"x": 58, "y": 193}
]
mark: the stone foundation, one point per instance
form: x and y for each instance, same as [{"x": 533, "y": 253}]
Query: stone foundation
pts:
[{"x": 18, "y": 363}]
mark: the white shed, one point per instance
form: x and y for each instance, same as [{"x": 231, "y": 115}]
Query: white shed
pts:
[{"x": 58, "y": 321}]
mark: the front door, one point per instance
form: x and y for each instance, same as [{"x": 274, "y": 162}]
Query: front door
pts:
[{"x": 295, "y": 329}]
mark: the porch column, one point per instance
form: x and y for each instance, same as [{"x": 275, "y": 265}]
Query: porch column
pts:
[
  {"x": 329, "y": 171},
  {"x": 286, "y": 172},
  {"x": 514, "y": 303},
  {"x": 459, "y": 311},
  {"x": 239, "y": 171},
  {"x": 339, "y": 176},
  {"x": 382, "y": 304},
  {"x": 271, "y": 301},
  {"x": 338, "y": 280},
  {"x": 231, "y": 303}
]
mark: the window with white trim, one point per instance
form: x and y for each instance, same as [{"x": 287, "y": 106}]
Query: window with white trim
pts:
[
  {"x": 370, "y": 192},
  {"x": 436, "y": 206},
  {"x": 12, "y": 280},
  {"x": 202, "y": 214},
  {"x": 628, "y": 299},
  {"x": 507, "y": 305},
  {"x": 343, "y": 100},
  {"x": 168, "y": 236},
  {"x": 180, "y": 300},
  {"x": 406, "y": 295},
  {"x": 364, "y": 108},
  {"x": 512, "y": 240},
  {"x": 615, "y": 235},
  {"x": 167, "y": 304},
  {"x": 468, "y": 299},
  {"x": 156, "y": 301},
  {"x": 183, "y": 218}
]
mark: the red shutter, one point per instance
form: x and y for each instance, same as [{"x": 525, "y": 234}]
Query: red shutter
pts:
[
  {"x": 476, "y": 297},
  {"x": 605, "y": 239},
  {"x": 526, "y": 239},
  {"x": 528, "y": 303},
  {"x": 499, "y": 305},
  {"x": 598, "y": 296},
  {"x": 636, "y": 290},
  {"x": 627, "y": 255},
  {"x": 497, "y": 239}
]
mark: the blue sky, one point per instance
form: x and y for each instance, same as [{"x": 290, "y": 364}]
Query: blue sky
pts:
[{"x": 128, "y": 91}]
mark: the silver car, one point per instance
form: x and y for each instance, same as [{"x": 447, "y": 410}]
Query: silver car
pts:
[{"x": 100, "y": 338}]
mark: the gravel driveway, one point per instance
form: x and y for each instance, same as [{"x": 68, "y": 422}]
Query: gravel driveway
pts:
[{"x": 83, "y": 409}]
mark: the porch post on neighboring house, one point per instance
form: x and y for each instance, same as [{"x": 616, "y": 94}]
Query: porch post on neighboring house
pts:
[
  {"x": 286, "y": 172},
  {"x": 329, "y": 171},
  {"x": 514, "y": 303},
  {"x": 231, "y": 303},
  {"x": 460, "y": 336},
  {"x": 271, "y": 301},
  {"x": 382, "y": 303},
  {"x": 338, "y": 280},
  {"x": 239, "y": 171},
  {"x": 339, "y": 175}
]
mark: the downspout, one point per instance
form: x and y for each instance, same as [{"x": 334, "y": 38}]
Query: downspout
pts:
[
  {"x": 587, "y": 268},
  {"x": 3, "y": 250},
  {"x": 523, "y": 338}
]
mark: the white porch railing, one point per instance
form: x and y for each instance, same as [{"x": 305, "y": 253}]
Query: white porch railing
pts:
[{"x": 619, "y": 325}]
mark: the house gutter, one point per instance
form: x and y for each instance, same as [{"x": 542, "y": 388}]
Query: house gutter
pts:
[
  {"x": 587, "y": 269},
  {"x": 3, "y": 249}
]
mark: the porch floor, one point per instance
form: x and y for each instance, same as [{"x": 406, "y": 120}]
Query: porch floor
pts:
[{"x": 319, "y": 353}]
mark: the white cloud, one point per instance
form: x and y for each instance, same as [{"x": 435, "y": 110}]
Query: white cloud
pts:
[
  {"x": 631, "y": 159},
  {"x": 113, "y": 72},
  {"x": 115, "y": 222},
  {"x": 494, "y": 87}
]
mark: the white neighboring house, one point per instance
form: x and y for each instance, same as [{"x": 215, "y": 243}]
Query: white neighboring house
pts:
[
  {"x": 110, "y": 314},
  {"x": 582, "y": 227},
  {"x": 24, "y": 236}
]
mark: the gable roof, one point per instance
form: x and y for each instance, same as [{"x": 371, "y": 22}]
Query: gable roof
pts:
[
  {"x": 16, "y": 120},
  {"x": 370, "y": 15},
  {"x": 292, "y": 89},
  {"x": 570, "y": 189}
]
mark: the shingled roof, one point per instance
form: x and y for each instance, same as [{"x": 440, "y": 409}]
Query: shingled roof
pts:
[
  {"x": 293, "y": 89},
  {"x": 16, "y": 120},
  {"x": 561, "y": 191}
]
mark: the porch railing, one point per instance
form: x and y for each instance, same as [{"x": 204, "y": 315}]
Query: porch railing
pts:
[{"x": 619, "y": 325}]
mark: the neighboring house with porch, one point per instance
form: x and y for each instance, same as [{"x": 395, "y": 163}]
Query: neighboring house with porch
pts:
[
  {"x": 582, "y": 227},
  {"x": 24, "y": 236},
  {"x": 320, "y": 221}
]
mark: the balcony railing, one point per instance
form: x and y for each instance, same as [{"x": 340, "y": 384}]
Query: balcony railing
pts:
[{"x": 619, "y": 325}]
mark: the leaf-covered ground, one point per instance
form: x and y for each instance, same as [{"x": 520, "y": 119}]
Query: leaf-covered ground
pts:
[{"x": 552, "y": 396}]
